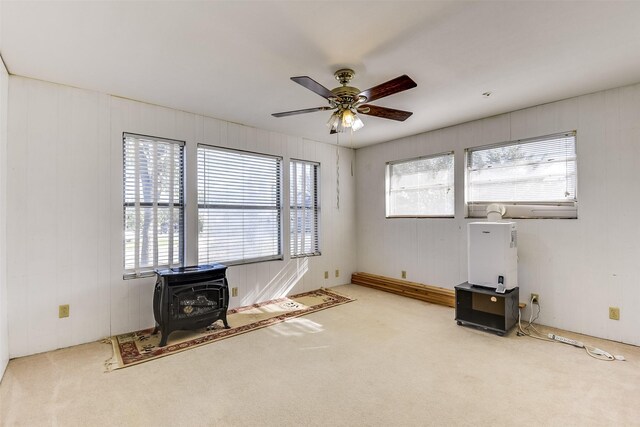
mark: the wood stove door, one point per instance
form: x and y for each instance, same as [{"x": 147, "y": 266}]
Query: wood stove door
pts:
[{"x": 194, "y": 301}]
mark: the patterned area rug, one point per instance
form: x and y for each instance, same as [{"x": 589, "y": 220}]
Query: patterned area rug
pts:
[{"x": 141, "y": 346}]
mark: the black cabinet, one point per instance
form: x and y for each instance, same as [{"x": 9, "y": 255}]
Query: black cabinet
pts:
[{"x": 486, "y": 309}]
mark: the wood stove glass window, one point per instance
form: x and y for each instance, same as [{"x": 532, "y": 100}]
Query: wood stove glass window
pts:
[
  {"x": 305, "y": 208},
  {"x": 239, "y": 206},
  {"x": 153, "y": 204}
]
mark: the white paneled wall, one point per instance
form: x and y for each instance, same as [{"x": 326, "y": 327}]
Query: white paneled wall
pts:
[
  {"x": 4, "y": 336},
  {"x": 579, "y": 267},
  {"x": 64, "y": 216}
]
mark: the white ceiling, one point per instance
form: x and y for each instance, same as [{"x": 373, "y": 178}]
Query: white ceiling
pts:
[{"x": 232, "y": 59}]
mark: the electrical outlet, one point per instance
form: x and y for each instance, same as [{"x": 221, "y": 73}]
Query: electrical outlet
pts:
[
  {"x": 403, "y": 274},
  {"x": 234, "y": 292},
  {"x": 535, "y": 299},
  {"x": 326, "y": 274},
  {"x": 63, "y": 311},
  {"x": 337, "y": 273},
  {"x": 614, "y": 313}
]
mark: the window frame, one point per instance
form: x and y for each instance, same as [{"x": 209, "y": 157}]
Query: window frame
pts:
[
  {"x": 412, "y": 159},
  {"x": 316, "y": 207},
  {"x": 523, "y": 209},
  {"x": 279, "y": 206},
  {"x": 134, "y": 273}
]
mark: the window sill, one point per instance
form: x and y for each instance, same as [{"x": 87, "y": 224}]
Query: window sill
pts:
[
  {"x": 305, "y": 255},
  {"x": 420, "y": 216},
  {"x": 251, "y": 261},
  {"x": 129, "y": 276},
  {"x": 527, "y": 211}
]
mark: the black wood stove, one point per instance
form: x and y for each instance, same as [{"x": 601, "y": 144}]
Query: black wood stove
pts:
[{"x": 190, "y": 298}]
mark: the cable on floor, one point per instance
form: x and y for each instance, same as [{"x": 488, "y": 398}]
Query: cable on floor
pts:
[{"x": 530, "y": 331}]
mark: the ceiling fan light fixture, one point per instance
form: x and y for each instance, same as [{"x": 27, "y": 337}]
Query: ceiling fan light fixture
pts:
[
  {"x": 334, "y": 120},
  {"x": 344, "y": 119},
  {"x": 348, "y": 118},
  {"x": 357, "y": 124}
]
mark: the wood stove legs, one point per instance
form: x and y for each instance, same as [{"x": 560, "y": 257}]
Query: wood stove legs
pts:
[
  {"x": 163, "y": 339},
  {"x": 224, "y": 321}
]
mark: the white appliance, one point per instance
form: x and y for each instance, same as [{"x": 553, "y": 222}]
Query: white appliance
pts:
[{"x": 492, "y": 251}]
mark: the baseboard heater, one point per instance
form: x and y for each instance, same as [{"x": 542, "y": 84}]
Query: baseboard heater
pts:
[{"x": 432, "y": 294}]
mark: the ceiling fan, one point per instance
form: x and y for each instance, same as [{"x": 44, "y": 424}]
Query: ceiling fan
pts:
[{"x": 348, "y": 101}]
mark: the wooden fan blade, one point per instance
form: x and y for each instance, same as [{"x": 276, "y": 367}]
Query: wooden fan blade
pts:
[
  {"x": 313, "y": 86},
  {"x": 385, "y": 113},
  {"x": 396, "y": 85},
  {"x": 294, "y": 112}
]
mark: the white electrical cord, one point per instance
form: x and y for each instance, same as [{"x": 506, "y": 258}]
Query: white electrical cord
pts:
[
  {"x": 599, "y": 354},
  {"x": 594, "y": 352},
  {"x": 525, "y": 331}
]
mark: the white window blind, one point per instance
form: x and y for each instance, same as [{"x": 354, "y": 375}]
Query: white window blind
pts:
[
  {"x": 305, "y": 208},
  {"x": 239, "y": 206},
  {"x": 153, "y": 204},
  {"x": 533, "y": 172},
  {"x": 421, "y": 187}
]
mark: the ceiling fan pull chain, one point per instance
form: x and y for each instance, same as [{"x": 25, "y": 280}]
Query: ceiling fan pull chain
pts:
[
  {"x": 338, "y": 171},
  {"x": 351, "y": 146}
]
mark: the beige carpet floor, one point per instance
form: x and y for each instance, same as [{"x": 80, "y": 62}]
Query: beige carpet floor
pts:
[{"x": 381, "y": 360}]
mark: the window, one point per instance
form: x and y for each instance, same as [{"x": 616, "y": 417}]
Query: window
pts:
[
  {"x": 305, "y": 210},
  {"x": 533, "y": 178},
  {"x": 421, "y": 187},
  {"x": 239, "y": 206},
  {"x": 153, "y": 204}
]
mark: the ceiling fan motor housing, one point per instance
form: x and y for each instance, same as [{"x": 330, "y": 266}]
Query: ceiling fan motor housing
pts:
[
  {"x": 347, "y": 95},
  {"x": 344, "y": 75}
]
